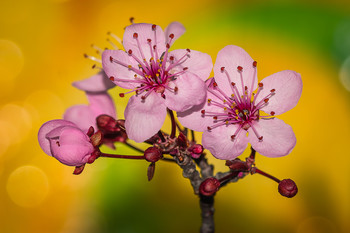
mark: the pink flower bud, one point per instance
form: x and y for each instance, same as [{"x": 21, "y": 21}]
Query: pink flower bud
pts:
[
  {"x": 153, "y": 154},
  {"x": 66, "y": 142},
  {"x": 287, "y": 188},
  {"x": 209, "y": 186}
]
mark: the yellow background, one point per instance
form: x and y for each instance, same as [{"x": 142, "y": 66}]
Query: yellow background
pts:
[{"x": 42, "y": 44}]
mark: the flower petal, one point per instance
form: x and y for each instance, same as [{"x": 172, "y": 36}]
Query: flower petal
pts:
[
  {"x": 97, "y": 83},
  {"x": 218, "y": 141},
  {"x": 175, "y": 28},
  {"x": 288, "y": 87},
  {"x": 118, "y": 71},
  {"x": 74, "y": 147},
  {"x": 194, "y": 119},
  {"x": 191, "y": 91},
  {"x": 278, "y": 137},
  {"x": 82, "y": 116},
  {"x": 85, "y": 116},
  {"x": 144, "y": 32},
  {"x": 47, "y": 128},
  {"x": 231, "y": 57},
  {"x": 197, "y": 63},
  {"x": 143, "y": 119}
]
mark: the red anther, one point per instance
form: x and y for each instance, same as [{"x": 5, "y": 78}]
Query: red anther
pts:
[
  {"x": 222, "y": 69},
  {"x": 176, "y": 89},
  {"x": 163, "y": 96},
  {"x": 171, "y": 36},
  {"x": 233, "y": 84},
  {"x": 254, "y": 63},
  {"x": 166, "y": 72},
  {"x": 154, "y": 47},
  {"x": 261, "y": 84},
  {"x": 272, "y": 113},
  {"x": 111, "y": 78},
  {"x": 121, "y": 95},
  {"x": 171, "y": 58},
  {"x": 233, "y": 137},
  {"x": 188, "y": 50},
  {"x": 186, "y": 68},
  {"x": 215, "y": 84},
  {"x": 273, "y": 90},
  {"x": 203, "y": 111},
  {"x": 266, "y": 100},
  {"x": 167, "y": 46},
  {"x": 131, "y": 19},
  {"x": 245, "y": 88},
  {"x": 130, "y": 52},
  {"x": 239, "y": 68},
  {"x": 154, "y": 27},
  {"x": 85, "y": 55},
  {"x": 209, "y": 128},
  {"x": 110, "y": 58},
  {"x": 215, "y": 117},
  {"x": 143, "y": 97},
  {"x": 149, "y": 40},
  {"x": 261, "y": 138},
  {"x": 135, "y": 35}
]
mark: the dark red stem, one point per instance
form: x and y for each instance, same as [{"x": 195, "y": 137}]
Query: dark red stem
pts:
[
  {"x": 267, "y": 175},
  {"x": 123, "y": 156},
  {"x": 161, "y": 136}
]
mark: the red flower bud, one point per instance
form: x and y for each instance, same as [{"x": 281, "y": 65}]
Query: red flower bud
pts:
[
  {"x": 237, "y": 165},
  {"x": 287, "y": 188},
  {"x": 153, "y": 154},
  {"x": 209, "y": 186}
]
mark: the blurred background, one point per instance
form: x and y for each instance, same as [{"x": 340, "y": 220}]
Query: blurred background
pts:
[{"x": 42, "y": 44}]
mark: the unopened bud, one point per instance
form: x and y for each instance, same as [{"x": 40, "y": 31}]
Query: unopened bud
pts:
[
  {"x": 153, "y": 154},
  {"x": 287, "y": 188},
  {"x": 209, "y": 186},
  {"x": 196, "y": 150}
]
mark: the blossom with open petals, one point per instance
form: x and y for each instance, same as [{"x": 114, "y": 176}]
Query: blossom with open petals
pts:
[
  {"x": 100, "y": 102},
  {"x": 66, "y": 142},
  {"x": 159, "y": 78},
  {"x": 234, "y": 114}
]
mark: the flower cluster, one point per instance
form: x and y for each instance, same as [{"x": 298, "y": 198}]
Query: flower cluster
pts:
[{"x": 232, "y": 109}]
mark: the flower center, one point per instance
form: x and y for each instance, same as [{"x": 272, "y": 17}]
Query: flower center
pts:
[
  {"x": 240, "y": 108},
  {"x": 156, "y": 73}
]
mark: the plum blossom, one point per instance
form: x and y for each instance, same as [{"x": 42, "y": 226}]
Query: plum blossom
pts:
[
  {"x": 160, "y": 79},
  {"x": 66, "y": 142},
  {"x": 100, "y": 102},
  {"x": 234, "y": 114}
]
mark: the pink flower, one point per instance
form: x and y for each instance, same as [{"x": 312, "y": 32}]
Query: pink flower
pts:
[
  {"x": 66, "y": 142},
  {"x": 100, "y": 101},
  {"x": 234, "y": 111},
  {"x": 159, "y": 78}
]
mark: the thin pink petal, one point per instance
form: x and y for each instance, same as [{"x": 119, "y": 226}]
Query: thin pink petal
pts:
[
  {"x": 97, "y": 83},
  {"x": 118, "y": 71},
  {"x": 191, "y": 91},
  {"x": 144, "y": 32},
  {"x": 82, "y": 116},
  {"x": 47, "y": 128},
  {"x": 197, "y": 63},
  {"x": 85, "y": 116},
  {"x": 278, "y": 138},
  {"x": 175, "y": 28},
  {"x": 194, "y": 119},
  {"x": 288, "y": 87},
  {"x": 231, "y": 57},
  {"x": 143, "y": 119},
  {"x": 218, "y": 141},
  {"x": 101, "y": 103}
]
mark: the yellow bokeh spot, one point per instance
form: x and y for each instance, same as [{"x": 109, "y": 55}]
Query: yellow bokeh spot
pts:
[
  {"x": 5, "y": 141},
  {"x": 27, "y": 186},
  {"x": 11, "y": 64}
]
